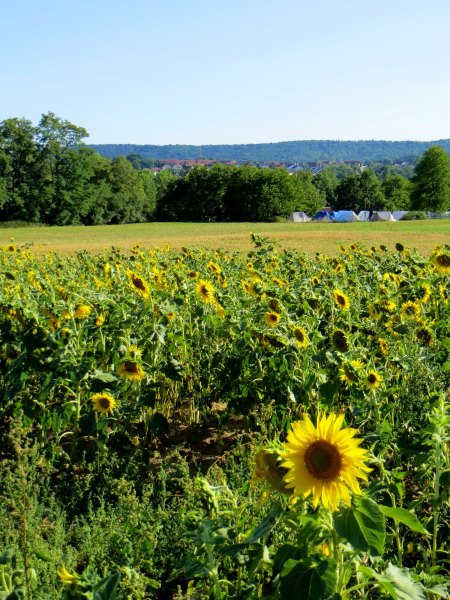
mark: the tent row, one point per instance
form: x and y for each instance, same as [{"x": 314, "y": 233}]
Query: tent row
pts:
[{"x": 347, "y": 216}]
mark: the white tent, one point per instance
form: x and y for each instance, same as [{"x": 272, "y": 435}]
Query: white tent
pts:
[
  {"x": 345, "y": 216},
  {"x": 299, "y": 217},
  {"x": 377, "y": 215},
  {"x": 398, "y": 214}
]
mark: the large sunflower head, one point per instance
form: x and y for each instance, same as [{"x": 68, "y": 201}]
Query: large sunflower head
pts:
[
  {"x": 341, "y": 300},
  {"x": 131, "y": 370},
  {"x": 372, "y": 380},
  {"x": 82, "y": 311},
  {"x": 272, "y": 318},
  {"x": 441, "y": 261},
  {"x": 324, "y": 461},
  {"x": 103, "y": 403},
  {"x": 205, "y": 291},
  {"x": 301, "y": 337},
  {"x": 139, "y": 284}
]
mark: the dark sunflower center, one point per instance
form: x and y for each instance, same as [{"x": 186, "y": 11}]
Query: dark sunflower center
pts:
[
  {"x": 350, "y": 376},
  {"x": 323, "y": 460},
  {"x": 443, "y": 260},
  {"x": 138, "y": 283},
  {"x": 299, "y": 336},
  {"x": 131, "y": 367},
  {"x": 340, "y": 341},
  {"x": 372, "y": 378},
  {"x": 341, "y": 300},
  {"x": 204, "y": 290},
  {"x": 104, "y": 402}
]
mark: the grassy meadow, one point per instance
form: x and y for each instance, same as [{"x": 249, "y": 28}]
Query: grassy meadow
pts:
[
  {"x": 191, "y": 412},
  {"x": 304, "y": 237}
]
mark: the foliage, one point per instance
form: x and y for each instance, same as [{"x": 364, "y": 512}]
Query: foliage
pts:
[
  {"x": 431, "y": 181},
  {"x": 296, "y": 151}
]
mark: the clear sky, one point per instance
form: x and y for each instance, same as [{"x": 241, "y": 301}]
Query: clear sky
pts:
[{"x": 234, "y": 71}]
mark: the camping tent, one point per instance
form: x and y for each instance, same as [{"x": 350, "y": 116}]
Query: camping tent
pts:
[
  {"x": 299, "y": 217},
  {"x": 322, "y": 217},
  {"x": 377, "y": 215},
  {"x": 345, "y": 216},
  {"x": 398, "y": 214}
]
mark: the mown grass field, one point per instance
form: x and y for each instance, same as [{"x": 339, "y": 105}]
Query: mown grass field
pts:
[{"x": 305, "y": 237}]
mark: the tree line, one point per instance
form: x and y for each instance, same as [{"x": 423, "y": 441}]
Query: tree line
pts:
[
  {"x": 293, "y": 151},
  {"x": 49, "y": 175}
]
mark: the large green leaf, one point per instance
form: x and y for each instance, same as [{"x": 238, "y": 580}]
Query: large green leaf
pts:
[
  {"x": 404, "y": 516},
  {"x": 313, "y": 581},
  {"x": 363, "y": 525}
]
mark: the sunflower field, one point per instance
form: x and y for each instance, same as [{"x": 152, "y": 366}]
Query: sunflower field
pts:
[{"x": 208, "y": 424}]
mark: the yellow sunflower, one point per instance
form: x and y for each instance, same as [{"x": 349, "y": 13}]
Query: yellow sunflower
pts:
[
  {"x": 324, "y": 461},
  {"x": 315, "y": 280},
  {"x": 372, "y": 380},
  {"x": 205, "y": 291},
  {"x": 103, "y": 403},
  {"x": 82, "y": 311},
  {"x": 410, "y": 309},
  {"x": 441, "y": 261},
  {"x": 272, "y": 318},
  {"x": 301, "y": 337},
  {"x": 131, "y": 370},
  {"x": 138, "y": 284},
  {"x": 384, "y": 347},
  {"x": 341, "y": 300}
]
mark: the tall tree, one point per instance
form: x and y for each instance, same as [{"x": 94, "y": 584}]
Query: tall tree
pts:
[
  {"x": 431, "y": 181},
  {"x": 397, "y": 192}
]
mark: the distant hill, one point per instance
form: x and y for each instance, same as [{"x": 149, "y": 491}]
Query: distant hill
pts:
[{"x": 300, "y": 151}]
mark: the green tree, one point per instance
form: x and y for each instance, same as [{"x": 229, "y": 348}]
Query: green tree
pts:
[
  {"x": 147, "y": 179},
  {"x": 309, "y": 197},
  {"x": 431, "y": 181},
  {"x": 359, "y": 192},
  {"x": 397, "y": 192},
  {"x": 326, "y": 182},
  {"x": 128, "y": 202},
  {"x": 20, "y": 171}
]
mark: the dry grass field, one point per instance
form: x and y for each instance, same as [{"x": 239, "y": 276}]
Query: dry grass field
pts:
[{"x": 305, "y": 237}]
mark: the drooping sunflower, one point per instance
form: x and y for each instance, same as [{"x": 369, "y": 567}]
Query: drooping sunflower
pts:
[
  {"x": 301, "y": 337},
  {"x": 272, "y": 318},
  {"x": 372, "y": 380},
  {"x": 131, "y": 370},
  {"x": 324, "y": 461},
  {"x": 341, "y": 299},
  {"x": 339, "y": 341},
  {"x": 205, "y": 291},
  {"x": 348, "y": 372},
  {"x": 103, "y": 403},
  {"x": 384, "y": 347},
  {"x": 441, "y": 261},
  {"x": 68, "y": 579},
  {"x": 138, "y": 284}
]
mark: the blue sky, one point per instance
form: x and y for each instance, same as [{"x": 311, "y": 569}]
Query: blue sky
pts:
[{"x": 240, "y": 71}]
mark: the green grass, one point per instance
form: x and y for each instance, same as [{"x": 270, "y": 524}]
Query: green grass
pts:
[{"x": 306, "y": 237}]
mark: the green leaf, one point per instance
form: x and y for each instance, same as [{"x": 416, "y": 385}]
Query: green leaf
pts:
[
  {"x": 405, "y": 588},
  {"x": 109, "y": 584},
  {"x": 316, "y": 580},
  {"x": 103, "y": 376},
  {"x": 266, "y": 524},
  {"x": 402, "y": 515},
  {"x": 444, "y": 479},
  {"x": 363, "y": 525}
]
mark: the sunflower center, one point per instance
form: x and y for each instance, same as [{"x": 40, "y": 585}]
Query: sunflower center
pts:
[
  {"x": 131, "y": 367},
  {"x": 138, "y": 283},
  {"x": 340, "y": 299},
  {"x": 443, "y": 260},
  {"x": 323, "y": 460},
  {"x": 104, "y": 402},
  {"x": 372, "y": 378}
]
